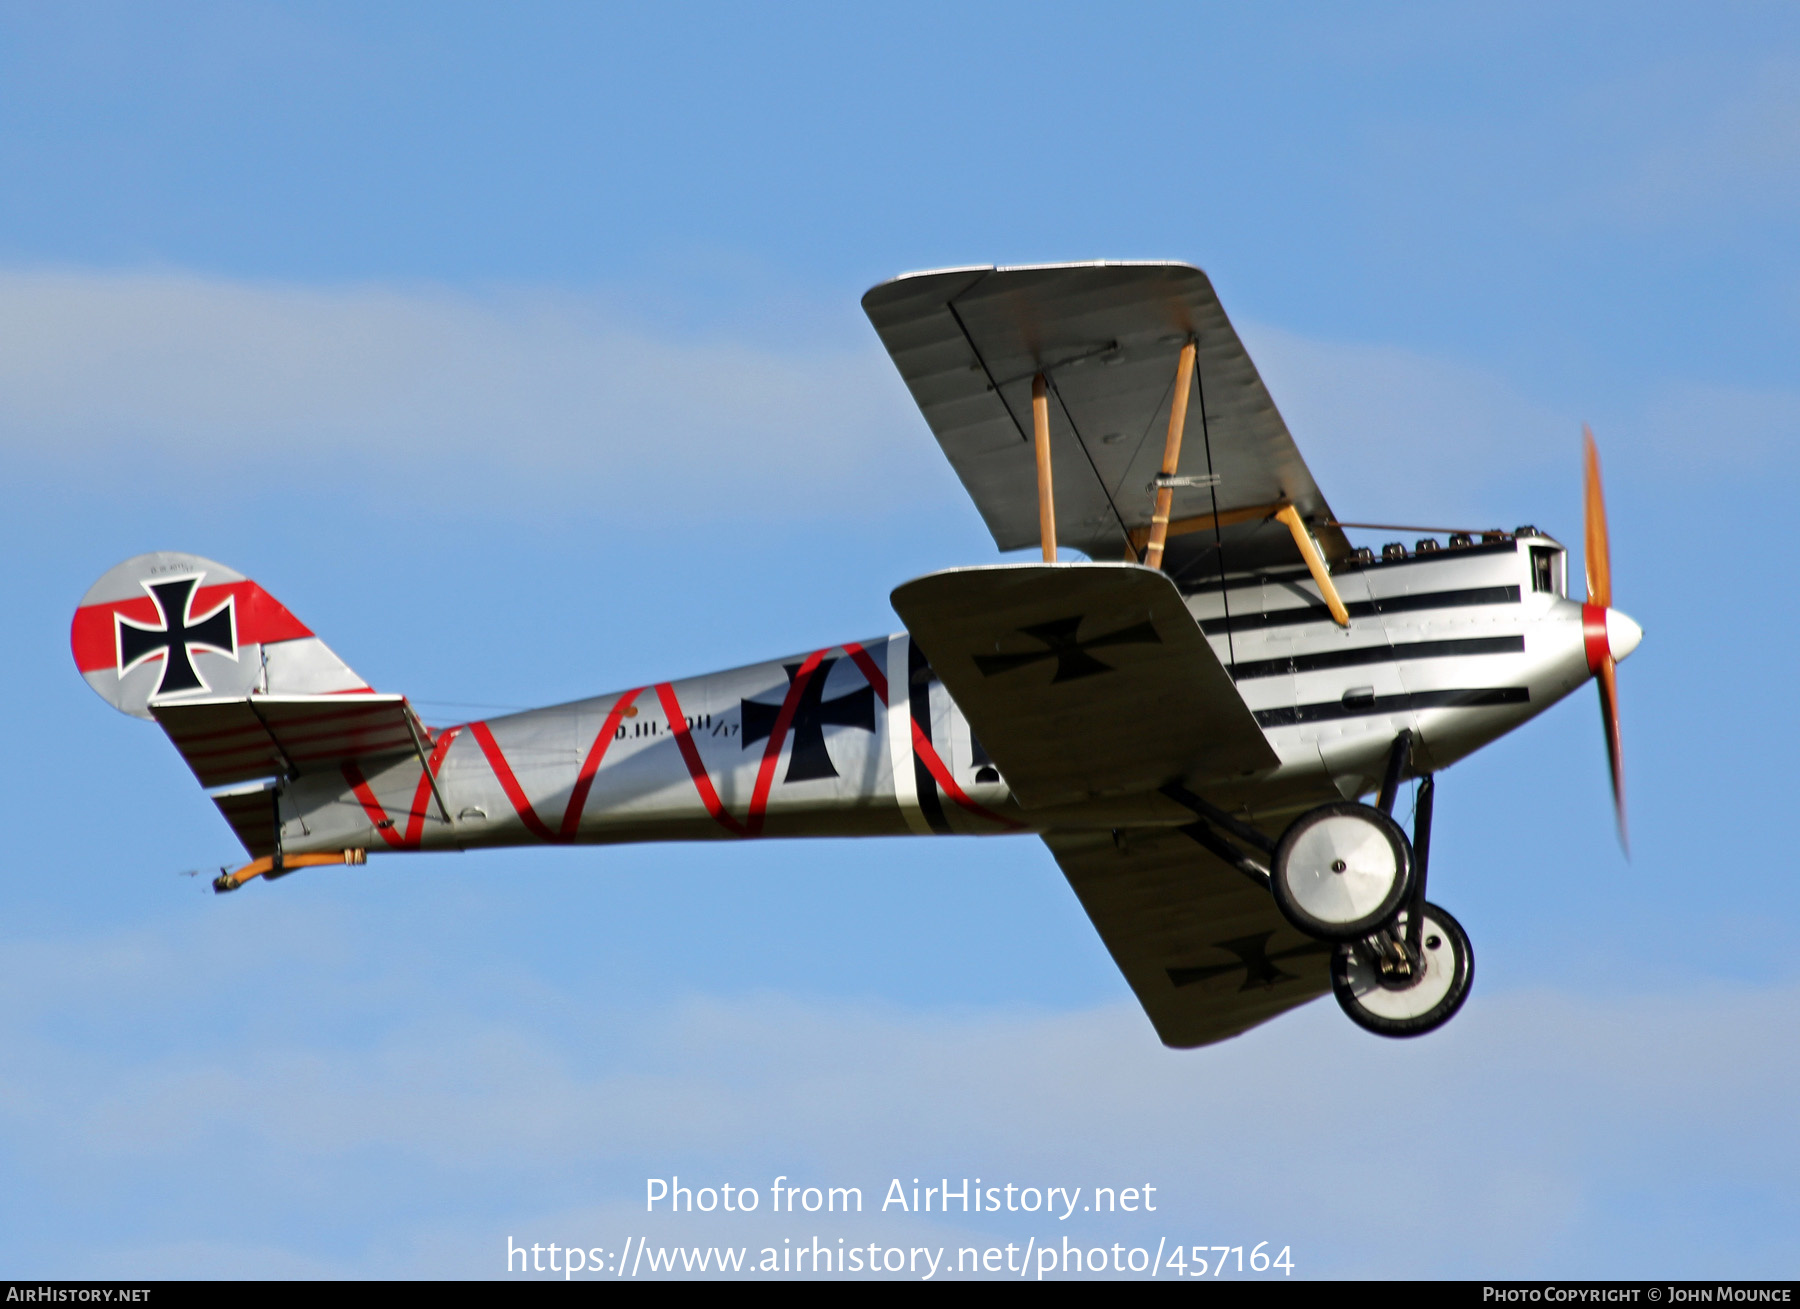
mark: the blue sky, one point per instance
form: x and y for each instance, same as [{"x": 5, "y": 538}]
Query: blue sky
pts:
[{"x": 517, "y": 350}]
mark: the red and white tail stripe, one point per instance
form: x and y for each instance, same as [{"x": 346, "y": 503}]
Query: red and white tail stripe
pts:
[{"x": 170, "y": 627}]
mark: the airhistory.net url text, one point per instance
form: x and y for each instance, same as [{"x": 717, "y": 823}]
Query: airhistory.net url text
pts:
[{"x": 1063, "y": 1258}]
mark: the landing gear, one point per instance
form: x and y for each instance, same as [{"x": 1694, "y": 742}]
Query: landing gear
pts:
[
  {"x": 1346, "y": 874},
  {"x": 1342, "y": 871},
  {"x": 1390, "y": 986}
]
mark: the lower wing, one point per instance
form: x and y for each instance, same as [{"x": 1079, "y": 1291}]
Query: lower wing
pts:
[{"x": 1204, "y": 947}]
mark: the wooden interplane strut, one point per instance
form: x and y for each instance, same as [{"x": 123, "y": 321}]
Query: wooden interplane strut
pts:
[
  {"x": 1165, "y": 494},
  {"x": 1289, "y": 517},
  {"x": 1040, "y": 424}
]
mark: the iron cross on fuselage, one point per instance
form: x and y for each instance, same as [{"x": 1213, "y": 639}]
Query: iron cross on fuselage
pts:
[
  {"x": 178, "y": 637},
  {"x": 813, "y": 713}
]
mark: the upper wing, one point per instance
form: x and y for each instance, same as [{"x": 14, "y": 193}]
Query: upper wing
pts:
[
  {"x": 1205, "y": 949},
  {"x": 1106, "y": 336},
  {"x": 1083, "y": 680}
]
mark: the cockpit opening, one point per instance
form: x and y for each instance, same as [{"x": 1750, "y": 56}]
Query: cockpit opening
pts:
[{"x": 1547, "y": 569}]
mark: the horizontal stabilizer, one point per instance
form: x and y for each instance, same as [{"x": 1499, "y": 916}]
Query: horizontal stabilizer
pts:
[
  {"x": 1083, "y": 680},
  {"x": 251, "y": 812},
  {"x": 238, "y": 740}
]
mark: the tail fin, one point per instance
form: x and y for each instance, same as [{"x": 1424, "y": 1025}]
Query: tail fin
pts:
[{"x": 166, "y": 627}]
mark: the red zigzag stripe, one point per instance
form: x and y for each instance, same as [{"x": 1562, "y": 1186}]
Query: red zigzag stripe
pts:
[
  {"x": 934, "y": 764},
  {"x": 752, "y": 824},
  {"x": 584, "y": 782},
  {"x": 415, "y": 817},
  {"x": 690, "y": 754}
]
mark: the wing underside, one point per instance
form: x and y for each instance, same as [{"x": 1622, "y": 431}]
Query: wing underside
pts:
[
  {"x": 1203, "y": 947},
  {"x": 1106, "y": 336},
  {"x": 1083, "y": 681}
]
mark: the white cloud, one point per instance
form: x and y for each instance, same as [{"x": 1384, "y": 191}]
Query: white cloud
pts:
[
  {"x": 1395, "y": 435},
  {"x": 409, "y": 388},
  {"x": 533, "y": 398},
  {"x": 439, "y": 1112}
]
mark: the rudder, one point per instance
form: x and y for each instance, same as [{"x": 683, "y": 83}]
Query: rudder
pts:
[{"x": 169, "y": 626}]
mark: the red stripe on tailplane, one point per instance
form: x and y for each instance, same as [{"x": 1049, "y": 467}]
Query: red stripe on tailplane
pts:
[
  {"x": 342, "y": 719},
  {"x": 375, "y": 738}
]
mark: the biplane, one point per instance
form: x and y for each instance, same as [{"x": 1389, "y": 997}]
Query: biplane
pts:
[{"x": 1207, "y": 719}]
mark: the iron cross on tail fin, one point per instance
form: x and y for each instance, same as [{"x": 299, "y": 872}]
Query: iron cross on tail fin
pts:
[
  {"x": 166, "y": 626},
  {"x": 246, "y": 692}
]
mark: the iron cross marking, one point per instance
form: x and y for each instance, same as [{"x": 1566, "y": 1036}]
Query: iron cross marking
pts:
[
  {"x": 1058, "y": 638},
  {"x": 1260, "y": 967},
  {"x": 809, "y": 760},
  {"x": 178, "y": 637}
]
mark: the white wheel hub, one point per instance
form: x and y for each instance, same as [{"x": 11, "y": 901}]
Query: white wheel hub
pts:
[{"x": 1341, "y": 869}]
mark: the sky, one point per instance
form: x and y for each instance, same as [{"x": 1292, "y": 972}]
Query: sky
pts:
[{"x": 517, "y": 350}]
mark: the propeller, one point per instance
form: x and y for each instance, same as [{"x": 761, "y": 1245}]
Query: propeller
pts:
[{"x": 1608, "y": 634}]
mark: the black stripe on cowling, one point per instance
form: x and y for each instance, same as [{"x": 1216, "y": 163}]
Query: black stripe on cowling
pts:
[
  {"x": 918, "y": 685},
  {"x": 1375, "y": 654},
  {"x": 1363, "y": 706},
  {"x": 1316, "y": 612}
]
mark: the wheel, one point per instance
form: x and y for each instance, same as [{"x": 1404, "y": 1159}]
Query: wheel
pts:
[
  {"x": 1341, "y": 871},
  {"x": 1390, "y": 1005}
]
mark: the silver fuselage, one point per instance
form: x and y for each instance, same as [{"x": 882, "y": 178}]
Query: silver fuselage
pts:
[{"x": 1461, "y": 646}]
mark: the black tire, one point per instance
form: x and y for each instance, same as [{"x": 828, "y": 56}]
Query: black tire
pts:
[
  {"x": 1305, "y": 893},
  {"x": 1381, "y": 1008}
]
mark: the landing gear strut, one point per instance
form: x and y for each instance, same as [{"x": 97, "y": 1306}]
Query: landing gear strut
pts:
[
  {"x": 1346, "y": 873},
  {"x": 1412, "y": 976}
]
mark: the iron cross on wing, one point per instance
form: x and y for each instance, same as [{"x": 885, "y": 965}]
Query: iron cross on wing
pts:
[
  {"x": 1260, "y": 968},
  {"x": 1059, "y": 639}
]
